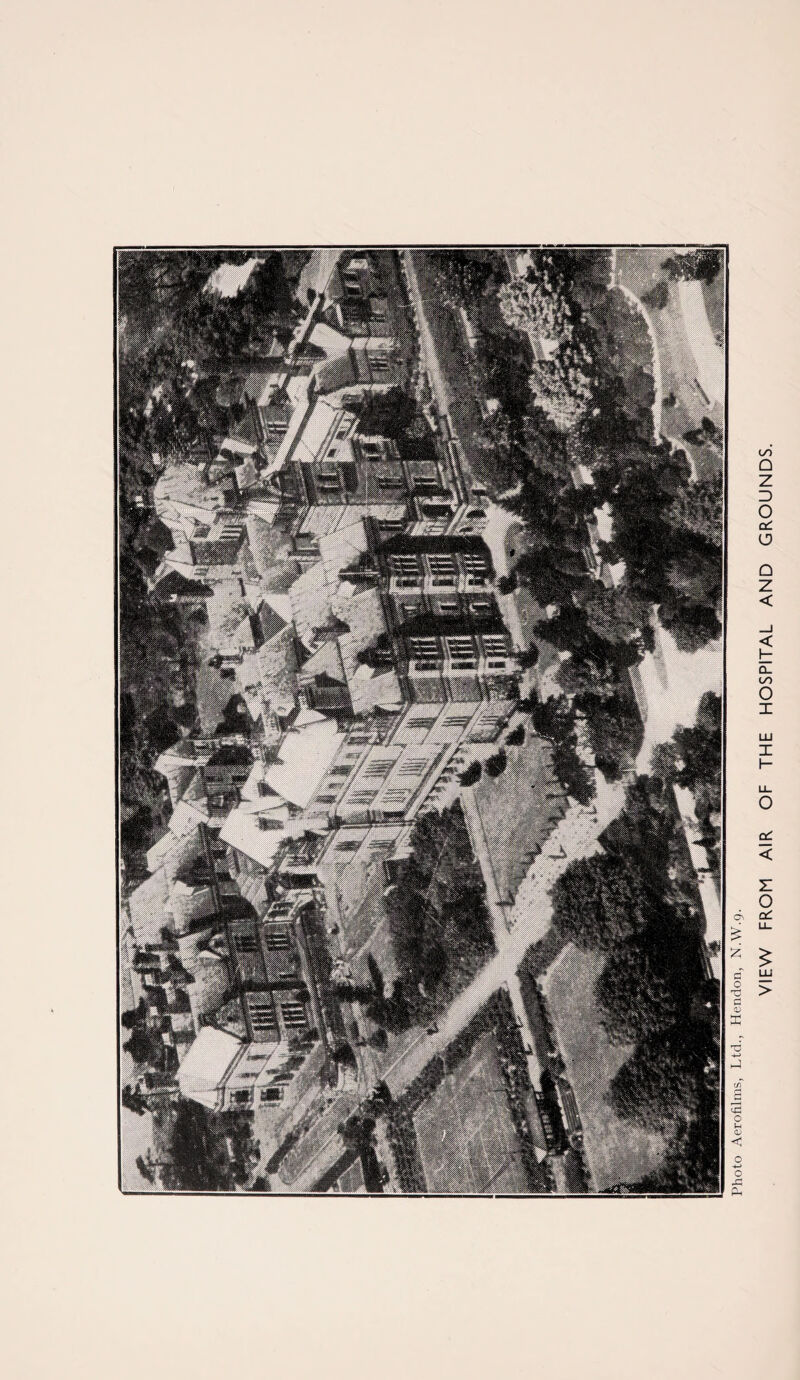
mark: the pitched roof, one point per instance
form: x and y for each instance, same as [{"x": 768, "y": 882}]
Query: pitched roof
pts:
[
  {"x": 243, "y": 831},
  {"x": 204, "y": 1067},
  {"x": 316, "y": 272},
  {"x": 270, "y": 621},
  {"x": 304, "y": 755},
  {"x": 173, "y": 582}
]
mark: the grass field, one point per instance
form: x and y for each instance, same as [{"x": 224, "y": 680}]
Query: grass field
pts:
[
  {"x": 518, "y": 811},
  {"x": 616, "y": 1151},
  {"x": 464, "y": 1130}
]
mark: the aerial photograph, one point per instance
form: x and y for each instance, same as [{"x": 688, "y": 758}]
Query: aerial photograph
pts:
[{"x": 420, "y": 662}]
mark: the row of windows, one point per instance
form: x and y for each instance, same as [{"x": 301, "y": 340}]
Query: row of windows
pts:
[
  {"x": 461, "y": 652},
  {"x": 243, "y": 1097},
  {"x": 407, "y": 569}
]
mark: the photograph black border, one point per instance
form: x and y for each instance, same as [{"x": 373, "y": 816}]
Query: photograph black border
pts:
[{"x": 400, "y": 1197}]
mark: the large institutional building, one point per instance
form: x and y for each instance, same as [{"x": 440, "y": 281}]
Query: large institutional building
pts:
[{"x": 356, "y": 649}]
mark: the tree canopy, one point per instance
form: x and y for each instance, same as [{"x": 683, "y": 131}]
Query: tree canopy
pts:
[
  {"x": 598, "y": 902},
  {"x": 633, "y": 997}
]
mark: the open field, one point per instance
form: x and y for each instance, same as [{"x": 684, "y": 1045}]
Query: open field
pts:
[
  {"x": 616, "y": 1151},
  {"x": 465, "y": 1134},
  {"x": 518, "y": 811}
]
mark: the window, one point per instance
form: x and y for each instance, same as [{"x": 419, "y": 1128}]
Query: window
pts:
[
  {"x": 480, "y": 604},
  {"x": 265, "y": 824},
  {"x": 294, "y": 1014},
  {"x": 361, "y": 797},
  {"x": 395, "y": 797},
  {"x": 424, "y": 652},
  {"x": 343, "y": 431},
  {"x": 389, "y": 481},
  {"x": 413, "y": 766},
  {"x": 370, "y": 447},
  {"x": 347, "y": 846},
  {"x": 461, "y": 653},
  {"x": 328, "y": 479},
  {"x": 427, "y": 483},
  {"x": 242, "y": 1096},
  {"x": 340, "y": 771},
  {"x": 405, "y": 570},
  {"x": 425, "y": 721},
  {"x": 360, "y": 735},
  {"x": 442, "y": 570},
  {"x": 378, "y": 363},
  {"x": 326, "y": 799},
  {"x": 245, "y": 943},
  {"x": 494, "y": 645},
  {"x": 409, "y": 608},
  {"x": 262, "y": 1016},
  {"x": 448, "y": 608},
  {"x": 380, "y": 767},
  {"x": 272, "y": 1094},
  {"x": 476, "y": 569},
  {"x": 276, "y": 937},
  {"x": 458, "y": 720}
]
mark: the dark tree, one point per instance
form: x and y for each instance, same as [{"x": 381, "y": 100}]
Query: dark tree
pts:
[
  {"x": 496, "y": 764},
  {"x": 660, "y": 1084},
  {"x": 633, "y": 998},
  {"x": 146, "y": 1170},
  {"x": 657, "y": 296},
  {"x": 702, "y": 264},
  {"x": 615, "y": 732},
  {"x": 471, "y": 774},
  {"x": 528, "y": 657},
  {"x": 129, "y": 1019},
  {"x": 133, "y": 1100},
  {"x": 598, "y": 902}
]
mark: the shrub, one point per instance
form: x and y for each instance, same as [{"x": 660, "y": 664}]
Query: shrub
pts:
[
  {"x": 496, "y": 764},
  {"x": 471, "y": 774},
  {"x": 657, "y": 297}
]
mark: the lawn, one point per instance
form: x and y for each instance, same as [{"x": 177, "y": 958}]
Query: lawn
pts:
[
  {"x": 616, "y": 1151},
  {"x": 518, "y": 811},
  {"x": 465, "y": 1134}
]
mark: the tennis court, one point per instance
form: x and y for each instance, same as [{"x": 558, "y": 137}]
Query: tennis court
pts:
[{"x": 464, "y": 1130}]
